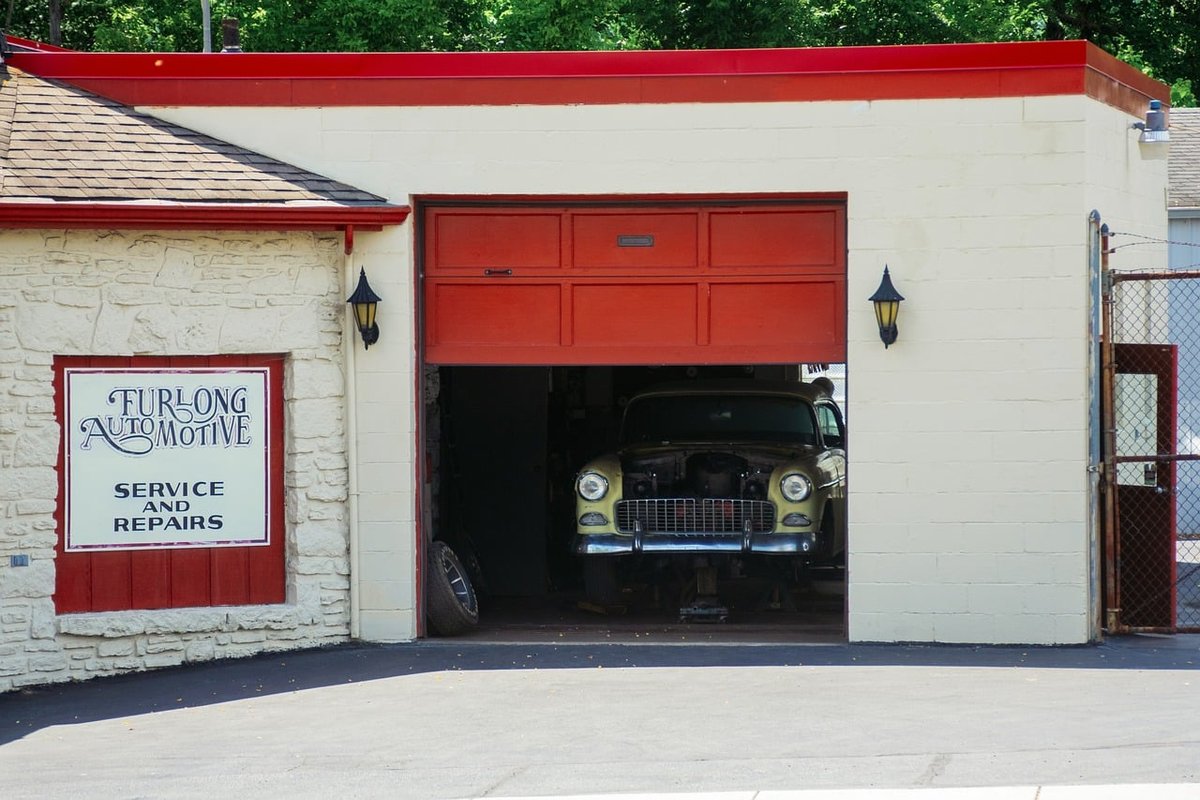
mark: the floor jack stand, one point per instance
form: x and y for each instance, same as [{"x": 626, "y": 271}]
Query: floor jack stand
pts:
[{"x": 707, "y": 606}]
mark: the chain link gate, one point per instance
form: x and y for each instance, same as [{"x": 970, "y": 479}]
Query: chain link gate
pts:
[{"x": 1151, "y": 421}]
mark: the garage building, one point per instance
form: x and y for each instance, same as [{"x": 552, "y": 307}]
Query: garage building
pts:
[{"x": 548, "y": 234}]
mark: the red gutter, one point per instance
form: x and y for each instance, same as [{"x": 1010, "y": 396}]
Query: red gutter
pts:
[
  {"x": 197, "y": 216},
  {"x": 31, "y": 44},
  {"x": 609, "y": 63},
  {"x": 404, "y": 79}
]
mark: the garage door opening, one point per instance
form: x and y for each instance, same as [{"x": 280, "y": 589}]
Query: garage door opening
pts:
[
  {"x": 505, "y": 446},
  {"x": 541, "y": 319}
]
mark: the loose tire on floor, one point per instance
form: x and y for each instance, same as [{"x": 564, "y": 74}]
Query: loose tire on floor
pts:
[
  {"x": 450, "y": 603},
  {"x": 465, "y": 550}
]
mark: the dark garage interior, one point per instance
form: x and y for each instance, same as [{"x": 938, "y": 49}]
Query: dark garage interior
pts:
[{"x": 503, "y": 447}]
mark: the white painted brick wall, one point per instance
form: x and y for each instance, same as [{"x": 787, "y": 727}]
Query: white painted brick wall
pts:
[
  {"x": 968, "y": 437},
  {"x": 162, "y": 293}
]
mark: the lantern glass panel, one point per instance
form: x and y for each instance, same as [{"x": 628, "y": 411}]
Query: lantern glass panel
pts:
[
  {"x": 886, "y": 313},
  {"x": 365, "y": 314}
]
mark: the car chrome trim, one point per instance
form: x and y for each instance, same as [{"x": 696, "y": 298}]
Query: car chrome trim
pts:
[
  {"x": 610, "y": 544},
  {"x": 694, "y": 516}
]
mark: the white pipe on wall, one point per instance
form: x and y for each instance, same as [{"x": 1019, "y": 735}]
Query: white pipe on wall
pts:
[{"x": 348, "y": 345}]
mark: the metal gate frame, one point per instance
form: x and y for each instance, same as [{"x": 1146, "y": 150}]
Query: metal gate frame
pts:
[{"x": 1114, "y": 620}]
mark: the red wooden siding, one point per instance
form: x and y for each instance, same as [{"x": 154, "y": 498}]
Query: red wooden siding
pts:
[
  {"x": 621, "y": 284},
  {"x": 147, "y": 579}
]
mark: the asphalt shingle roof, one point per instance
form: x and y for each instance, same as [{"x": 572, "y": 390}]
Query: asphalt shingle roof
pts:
[
  {"x": 61, "y": 143},
  {"x": 1183, "y": 165}
]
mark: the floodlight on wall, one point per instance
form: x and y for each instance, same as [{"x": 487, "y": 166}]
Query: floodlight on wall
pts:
[
  {"x": 887, "y": 308},
  {"x": 1154, "y": 129},
  {"x": 364, "y": 302}
]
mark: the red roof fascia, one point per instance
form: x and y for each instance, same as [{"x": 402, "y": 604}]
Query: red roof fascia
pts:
[
  {"x": 178, "y": 216},
  {"x": 33, "y": 44},
  {"x": 399, "y": 79},
  {"x": 639, "y": 63}
]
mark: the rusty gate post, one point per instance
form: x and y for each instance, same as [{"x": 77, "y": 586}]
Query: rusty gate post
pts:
[{"x": 1108, "y": 477}]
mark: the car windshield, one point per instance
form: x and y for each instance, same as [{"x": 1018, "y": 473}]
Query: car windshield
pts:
[{"x": 719, "y": 418}]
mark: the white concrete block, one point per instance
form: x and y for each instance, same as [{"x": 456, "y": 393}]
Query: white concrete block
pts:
[
  {"x": 912, "y": 598},
  {"x": 387, "y": 449},
  {"x": 387, "y": 595},
  {"x": 964, "y": 628},
  {"x": 923, "y": 537},
  {"x": 967, "y": 568},
  {"x": 1043, "y": 568},
  {"x": 387, "y": 626},
  {"x": 386, "y": 567},
  {"x": 388, "y": 539},
  {"x": 386, "y": 417},
  {"x": 1069, "y": 536},
  {"x": 1059, "y": 599},
  {"x": 894, "y": 567},
  {"x": 996, "y": 598},
  {"x": 394, "y": 508},
  {"x": 1070, "y": 628},
  {"x": 891, "y": 627}
]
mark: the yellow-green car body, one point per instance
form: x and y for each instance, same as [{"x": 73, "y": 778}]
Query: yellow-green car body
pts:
[{"x": 749, "y": 467}]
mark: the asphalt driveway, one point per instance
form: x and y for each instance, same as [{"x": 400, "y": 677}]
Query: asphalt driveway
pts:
[{"x": 447, "y": 719}]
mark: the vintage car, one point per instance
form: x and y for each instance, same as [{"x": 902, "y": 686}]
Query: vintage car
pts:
[{"x": 739, "y": 469}]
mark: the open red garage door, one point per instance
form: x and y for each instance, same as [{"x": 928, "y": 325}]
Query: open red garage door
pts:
[{"x": 751, "y": 282}]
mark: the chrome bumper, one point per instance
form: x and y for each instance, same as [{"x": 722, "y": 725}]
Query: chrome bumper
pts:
[{"x": 612, "y": 544}]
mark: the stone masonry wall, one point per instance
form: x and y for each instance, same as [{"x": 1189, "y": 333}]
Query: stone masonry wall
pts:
[{"x": 168, "y": 293}]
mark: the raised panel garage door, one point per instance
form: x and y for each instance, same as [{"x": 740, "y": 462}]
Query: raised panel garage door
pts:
[{"x": 713, "y": 283}]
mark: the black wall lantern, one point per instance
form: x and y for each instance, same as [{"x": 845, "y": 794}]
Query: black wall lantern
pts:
[
  {"x": 887, "y": 308},
  {"x": 364, "y": 301}
]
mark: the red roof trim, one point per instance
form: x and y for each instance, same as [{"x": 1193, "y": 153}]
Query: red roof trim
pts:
[
  {"x": 410, "y": 79},
  {"x": 639, "y": 63},
  {"x": 197, "y": 216},
  {"x": 31, "y": 44}
]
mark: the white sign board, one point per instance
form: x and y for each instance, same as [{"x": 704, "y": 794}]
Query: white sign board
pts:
[{"x": 166, "y": 458}]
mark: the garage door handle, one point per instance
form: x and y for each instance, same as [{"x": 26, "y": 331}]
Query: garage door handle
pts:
[{"x": 497, "y": 272}]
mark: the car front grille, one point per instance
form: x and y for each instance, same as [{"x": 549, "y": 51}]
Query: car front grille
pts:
[{"x": 699, "y": 516}]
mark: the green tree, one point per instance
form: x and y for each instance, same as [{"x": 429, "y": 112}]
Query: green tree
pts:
[
  {"x": 32, "y": 19},
  {"x": 711, "y": 24},
  {"x": 358, "y": 25},
  {"x": 560, "y": 25},
  {"x": 1161, "y": 37}
]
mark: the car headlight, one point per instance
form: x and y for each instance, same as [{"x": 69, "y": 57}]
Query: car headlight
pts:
[
  {"x": 795, "y": 487},
  {"x": 592, "y": 486}
]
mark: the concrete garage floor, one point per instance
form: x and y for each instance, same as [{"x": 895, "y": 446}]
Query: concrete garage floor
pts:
[{"x": 818, "y": 617}]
